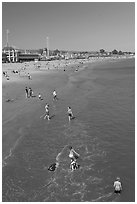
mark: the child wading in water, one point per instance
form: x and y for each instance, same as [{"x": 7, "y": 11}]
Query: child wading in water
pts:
[{"x": 70, "y": 114}]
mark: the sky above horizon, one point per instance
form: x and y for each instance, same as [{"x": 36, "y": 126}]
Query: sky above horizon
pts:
[{"x": 79, "y": 26}]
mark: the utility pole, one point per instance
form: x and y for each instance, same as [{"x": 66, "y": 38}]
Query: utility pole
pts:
[
  {"x": 48, "y": 47},
  {"x": 7, "y": 38}
]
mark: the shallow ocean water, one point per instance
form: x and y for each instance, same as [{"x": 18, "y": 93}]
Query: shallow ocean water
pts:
[{"x": 102, "y": 132}]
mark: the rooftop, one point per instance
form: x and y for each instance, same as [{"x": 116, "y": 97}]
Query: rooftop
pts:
[{"x": 8, "y": 48}]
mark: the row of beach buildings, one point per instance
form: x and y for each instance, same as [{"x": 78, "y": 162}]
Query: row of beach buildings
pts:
[{"x": 10, "y": 54}]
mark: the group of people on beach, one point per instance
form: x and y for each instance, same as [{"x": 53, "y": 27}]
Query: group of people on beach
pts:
[
  {"x": 73, "y": 155},
  {"x": 5, "y": 73},
  {"x": 46, "y": 115}
]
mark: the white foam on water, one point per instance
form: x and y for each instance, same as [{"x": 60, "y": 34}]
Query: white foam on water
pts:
[{"x": 75, "y": 184}]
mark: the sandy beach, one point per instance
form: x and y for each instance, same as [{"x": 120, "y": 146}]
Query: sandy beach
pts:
[{"x": 37, "y": 142}]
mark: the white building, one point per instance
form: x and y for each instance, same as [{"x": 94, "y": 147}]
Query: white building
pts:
[{"x": 11, "y": 53}]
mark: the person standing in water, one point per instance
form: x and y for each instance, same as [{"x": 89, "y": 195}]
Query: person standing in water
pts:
[
  {"x": 70, "y": 114},
  {"x": 117, "y": 185},
  {"x": 73, "y": 155},
  {"x": 54, "y": 95},
  {"x": 26, "y": 91},
  {"x": 47, "y": 112},
  {"x": 30, "y": 92}
]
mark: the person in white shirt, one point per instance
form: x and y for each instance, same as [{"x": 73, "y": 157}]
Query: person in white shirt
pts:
[{"x": 117, "y": 185}]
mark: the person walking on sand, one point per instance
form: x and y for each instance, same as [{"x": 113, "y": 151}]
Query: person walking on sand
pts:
[
  {"x": 70, "y": 114},
  {"x": 73, "y": 155},
  {"x": 26, "y": 91},
  {"x": 117, "y": 185},
  {"x": 46, "y": 112}
]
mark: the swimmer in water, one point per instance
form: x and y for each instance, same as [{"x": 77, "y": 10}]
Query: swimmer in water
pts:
[
  {"x": 74, "y": 165},
  {"x": 53, "y": 167},
  {"x": 117, "y": 185}
]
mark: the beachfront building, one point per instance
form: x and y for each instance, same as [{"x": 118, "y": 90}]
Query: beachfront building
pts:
[
  {"x": 69, "y": 55},
  {"x": 4, "y": 58},
  {"x": 22, "y": 57},
  {"x": 45, "y": 55},
  {"x": 9, "y": 54}
]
